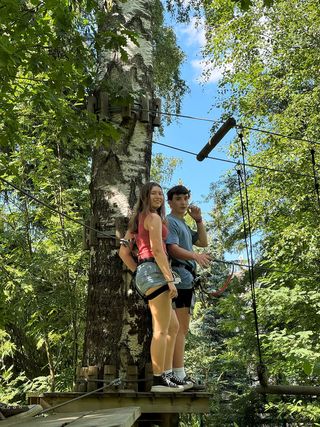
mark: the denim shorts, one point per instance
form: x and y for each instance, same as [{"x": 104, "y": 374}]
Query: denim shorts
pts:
[{"x": 148, "y": 276}]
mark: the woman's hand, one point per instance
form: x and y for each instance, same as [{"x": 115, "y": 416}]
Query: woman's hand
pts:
[{"x": 173, "y": 293}]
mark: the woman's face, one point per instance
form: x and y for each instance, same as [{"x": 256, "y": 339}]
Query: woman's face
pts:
[{"x": 156, "y": 197}]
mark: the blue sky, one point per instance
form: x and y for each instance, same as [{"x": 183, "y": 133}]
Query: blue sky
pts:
[{"x": 192, "y": 135}]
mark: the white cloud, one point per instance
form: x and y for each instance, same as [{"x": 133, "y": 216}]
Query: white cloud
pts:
[
  {"x": 194, "y": 32},
  {"x": 193, "y": 36}
]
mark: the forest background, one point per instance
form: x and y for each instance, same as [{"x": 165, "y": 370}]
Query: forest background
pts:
[{"x": 268, "y": 54}]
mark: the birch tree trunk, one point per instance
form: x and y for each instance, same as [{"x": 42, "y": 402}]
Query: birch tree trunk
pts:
[{"x": 116, "y": 326}]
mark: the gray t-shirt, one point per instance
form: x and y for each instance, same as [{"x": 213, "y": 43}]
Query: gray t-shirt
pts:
[{"x": 182, "y": 235}]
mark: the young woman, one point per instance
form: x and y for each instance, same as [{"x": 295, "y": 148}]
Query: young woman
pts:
[{"x": 155, "y": 281}]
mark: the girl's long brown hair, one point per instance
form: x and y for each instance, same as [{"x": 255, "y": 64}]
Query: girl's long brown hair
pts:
[{"x": 143, "y": 206}]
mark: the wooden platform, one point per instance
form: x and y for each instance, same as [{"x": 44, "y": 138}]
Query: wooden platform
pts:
[
  {"x": 119, "y": 417},
  {"x": 186, "y": 402}
]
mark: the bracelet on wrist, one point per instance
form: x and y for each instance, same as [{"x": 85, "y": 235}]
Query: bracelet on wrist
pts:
[
  {"x": 170, "y": 281},
  {"x": 198, "y": 221}
]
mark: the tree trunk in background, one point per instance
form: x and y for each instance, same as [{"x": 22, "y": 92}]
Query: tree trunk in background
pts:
[{"x": 116, "y": 326}]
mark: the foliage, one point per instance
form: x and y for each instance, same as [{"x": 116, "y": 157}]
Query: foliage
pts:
[
  {"x": 14, "y": 387},
  {"x": 50, "y": 63},
  {"x": 162, "y": 169},
  {"x": 48, "y": 67},
  {"x": 167, "y": 60},
  {"x": 269, "y": 81}
]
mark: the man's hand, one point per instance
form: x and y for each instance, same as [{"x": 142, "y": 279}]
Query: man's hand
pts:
[
  {"x": 202, "y": 259},
  {"x": 194, "y": 212}
]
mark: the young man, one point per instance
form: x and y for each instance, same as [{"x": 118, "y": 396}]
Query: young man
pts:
[{"x": 180, "y": 243}]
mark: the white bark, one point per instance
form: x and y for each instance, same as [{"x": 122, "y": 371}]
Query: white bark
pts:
[{"x": 116, "y": 328}]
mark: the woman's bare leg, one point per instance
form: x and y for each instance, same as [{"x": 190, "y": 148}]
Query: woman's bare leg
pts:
[
  {"x": 171, "y": 340},
  {"x": 160, "y": 308}
]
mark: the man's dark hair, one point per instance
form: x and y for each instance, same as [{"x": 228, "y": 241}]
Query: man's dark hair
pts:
[{"x": 178, "y": 190}]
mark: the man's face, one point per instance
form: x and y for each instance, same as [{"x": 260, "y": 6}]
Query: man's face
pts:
[{"x": 179, "y": 204}]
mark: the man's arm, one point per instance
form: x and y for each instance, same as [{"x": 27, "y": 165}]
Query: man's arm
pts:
[
  {"x": 177, "y": 252},
  {"x": 202, "y": 241},
  {"x": 195, "y": 213}
]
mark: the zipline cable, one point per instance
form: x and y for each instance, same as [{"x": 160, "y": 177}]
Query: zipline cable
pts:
[
  {"x": 183, "y": 116},
  {"x": 127, "y": 242},
  {"x": 165, "y": 113},
  {"x": 216, "y": 122},
  {"x": 233, "y": 162},
  {"x": 190, "y": 117},
  {"x": 205, "y": 119},
  {"x": 269, "y": 132},
  {"x": 262, "y": 268},
  {"x": 51, "y": 208}
]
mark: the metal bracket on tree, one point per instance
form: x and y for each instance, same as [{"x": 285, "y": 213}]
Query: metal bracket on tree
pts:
[{"x": 149, "y": 110}]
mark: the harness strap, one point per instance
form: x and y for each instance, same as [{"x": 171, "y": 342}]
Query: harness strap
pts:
[
  {"x": 143, "y": 260},
  {"x": 175, "y": 263},
  {"x": 157, "y": 292}
]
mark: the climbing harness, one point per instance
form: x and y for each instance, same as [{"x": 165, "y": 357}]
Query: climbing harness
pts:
[{"x": 130, "y": 244}]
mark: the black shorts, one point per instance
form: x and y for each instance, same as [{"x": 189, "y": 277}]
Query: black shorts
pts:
[{"x": 185, "y": 298}]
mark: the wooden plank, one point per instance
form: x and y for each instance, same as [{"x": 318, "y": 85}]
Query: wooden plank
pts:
[
  {"x": 120, "y": 417},
  {"x": 41, "y": 421},
  {"x": 186, "y": 402}
]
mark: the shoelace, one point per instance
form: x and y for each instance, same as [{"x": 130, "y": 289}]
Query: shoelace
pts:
[
  {"x": 176, "y": 379},
  {"x": 168, "y": 380}
]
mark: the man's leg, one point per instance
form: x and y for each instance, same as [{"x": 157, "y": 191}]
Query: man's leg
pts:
[
  {"x": 184, "y": 307},
  {"x": 183, "y": 315}
]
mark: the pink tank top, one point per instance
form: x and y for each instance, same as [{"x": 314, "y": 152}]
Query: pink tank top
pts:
[{"x": 143, "y": 239}]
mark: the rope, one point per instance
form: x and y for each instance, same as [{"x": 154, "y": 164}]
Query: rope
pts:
[
  {"x": 224, "y": 287},
  {"x": 217, "y": 293},
  {"x": 247, "y": 235},
  {"x": 51, "y": 208},
  {"x": 128, "y": 242},
  {"x": 115, "y": 382},
  {"x": 95, "y": 380},
  {"x": 261, "y": 267}
]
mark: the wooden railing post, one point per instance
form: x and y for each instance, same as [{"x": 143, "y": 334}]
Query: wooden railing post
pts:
[
  {"x": 109, "y": 374},
  {"x": 81, "y": 376}
]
